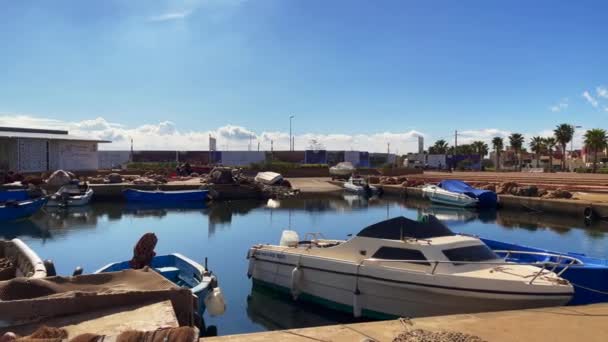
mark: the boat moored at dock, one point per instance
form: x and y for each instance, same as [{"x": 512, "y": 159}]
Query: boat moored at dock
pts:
[
  {"x": 359, "y": 185},
  {"x": 71, "y": 195},
  {"x": 588, "y": 275},
  {"x": 445, "y": 197},
  {"x": 15, "y": 210},
  {"x": 404, "y": 268}
]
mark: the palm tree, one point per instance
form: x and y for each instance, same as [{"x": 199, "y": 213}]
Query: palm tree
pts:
[
  {"x": 440, "y": 147},
  {"x": 596, "y": 140},
  {"x": 516, "y": 141},
  {"x": 563, "y": 134},
  {"x": 537, "y": 145},
  {"x": 481, "y": 148},
  {"x": 498, "y": 145},
  {"x": 550, "y": 143}
]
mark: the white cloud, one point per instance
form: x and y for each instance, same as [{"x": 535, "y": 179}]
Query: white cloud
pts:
[
  {"x": 178, "y": 15},
  {"x": 561, "y": 105},
  {"x": 590, "y": 99},
  {"x": 166, "y": 136},
  {"x": 602, "y": 92}
]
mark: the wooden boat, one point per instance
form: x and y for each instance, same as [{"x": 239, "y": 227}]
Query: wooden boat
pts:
[
  {"x": 10, "y": 211},
  {"x": 404, "y": 268},
  {"x": 183, "y": 272},
  {"x": 442, "y": 196},
  {"x": 71, "y": 196},
  {"x": 18, "y": 260},
  {"x": 165, "y": 196},
  {"x": 588, "y": 275},
  {"x": 268, "y": 177}
]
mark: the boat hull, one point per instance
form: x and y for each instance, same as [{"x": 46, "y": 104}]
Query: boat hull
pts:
[
  {"x": 22, "y": 209},
  {"x": 72, "y": 201},
  {"x": 385, "y": 298},
  {"x": 590, "y": 281},
  {"x": 440, "y": 196},
  {"x": 13, "y": 195},
  {"x": 178, "y": 269},
  {"x": 133, "y": 195}
]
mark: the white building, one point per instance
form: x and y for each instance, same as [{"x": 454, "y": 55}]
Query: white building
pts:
[{"x": 38, "y": 150}]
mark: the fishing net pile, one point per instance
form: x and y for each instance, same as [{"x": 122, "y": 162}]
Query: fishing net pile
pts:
[
  {"x": 7, "y": 269},
  {"x": 421, "y": 335},
  {"x": 26, "y": 300},
  {"x": 50, "y": 334}
]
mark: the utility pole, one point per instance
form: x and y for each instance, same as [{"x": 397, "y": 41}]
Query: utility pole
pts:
[
  {"x": 388, "y": 148},
  {"x": 455, "y": 140},
  {"x": 258, "y": 146},
  {"x": 271, "y": 145},
  {"x": 290, "y": 133}
]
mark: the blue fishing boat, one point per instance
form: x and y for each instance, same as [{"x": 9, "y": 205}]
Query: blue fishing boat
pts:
[
  {"x": 588, "y": 275},
  {"x": 14, "y": 195},
  {"x": 134, "y": 195},
  {"x": 485, "y": 198},
  {"x": 183, "y": 272},
  {"x": 14, "y": 210}
]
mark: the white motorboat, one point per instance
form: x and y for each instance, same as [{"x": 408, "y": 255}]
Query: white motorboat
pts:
[
  {"x": 404, "y": 268},
  {"x": 341, "y": 170},
  {"x": 359, "y": 186},
  {"x": 268, "y": 177},
  {"x": 442, "y": 196},
  {"x": 71, "y": 195}
]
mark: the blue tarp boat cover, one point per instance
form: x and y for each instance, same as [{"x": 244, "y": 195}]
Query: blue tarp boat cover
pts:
[{"x": 486, "y": 198}]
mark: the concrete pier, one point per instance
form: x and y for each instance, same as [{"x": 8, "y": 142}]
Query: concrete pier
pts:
[{"x": 571, "y": 323}]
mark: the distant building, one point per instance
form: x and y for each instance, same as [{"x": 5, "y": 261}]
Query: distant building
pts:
[{"x": 40, "y": 150}]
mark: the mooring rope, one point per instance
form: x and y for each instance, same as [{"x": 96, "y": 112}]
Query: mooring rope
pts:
[{"x": 589, "y": 289}]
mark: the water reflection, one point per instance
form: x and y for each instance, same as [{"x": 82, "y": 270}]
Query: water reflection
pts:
[
  {"x": 276, "y": 311},
  {"x": 105, "y": 232}
]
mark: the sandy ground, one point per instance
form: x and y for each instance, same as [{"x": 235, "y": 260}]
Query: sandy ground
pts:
[
  {"x": 314, "y": 185},
  {"x": 574, "y": 323}
]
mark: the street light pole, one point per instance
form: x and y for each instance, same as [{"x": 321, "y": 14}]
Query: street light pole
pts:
[{"x": 290, "y": 135}]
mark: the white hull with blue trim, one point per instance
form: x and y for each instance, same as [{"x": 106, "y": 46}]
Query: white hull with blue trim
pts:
[
  {"x": 442, "y": 196},
  {"x": 405, "y": 268}
]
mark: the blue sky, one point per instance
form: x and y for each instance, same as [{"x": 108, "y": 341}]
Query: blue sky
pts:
[{"x": 348, "y": 67}]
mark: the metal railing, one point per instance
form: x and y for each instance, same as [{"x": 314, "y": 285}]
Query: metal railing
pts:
[
  {"x": 571, "y": 261},
  {"x": 434, "y": 263}
]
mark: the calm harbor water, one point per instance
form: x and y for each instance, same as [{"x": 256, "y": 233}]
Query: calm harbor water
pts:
[{"x": 105, "y": 232}]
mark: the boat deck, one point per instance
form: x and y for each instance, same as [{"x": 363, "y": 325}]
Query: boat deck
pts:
[{"x": 556, "y": 324}]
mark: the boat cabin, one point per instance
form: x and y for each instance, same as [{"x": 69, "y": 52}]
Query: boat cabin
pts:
[{"x": 400, "y": 242}]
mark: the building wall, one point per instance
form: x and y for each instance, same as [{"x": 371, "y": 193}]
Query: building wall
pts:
[
  {"x": 242, "y": 158},
  {"x": 8, "y": 154},
  {"x": 73, "y": 155},
  {"x": 32, "y": 155}
]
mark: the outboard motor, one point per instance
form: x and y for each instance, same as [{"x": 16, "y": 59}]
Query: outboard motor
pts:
[
  {"x": 50, "y": 268},
  {"x": 368, "y": 190}
]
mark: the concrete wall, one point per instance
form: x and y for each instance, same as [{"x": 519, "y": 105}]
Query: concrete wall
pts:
[
  {"x": 110, "y": 159},
  {"x": 242, "y": 158}
]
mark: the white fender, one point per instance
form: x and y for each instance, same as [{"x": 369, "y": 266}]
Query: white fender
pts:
[
  {"x": 356, "y": 305},
  {"x": 215, "y": 303},
  {"x": 296, "y": 274}
]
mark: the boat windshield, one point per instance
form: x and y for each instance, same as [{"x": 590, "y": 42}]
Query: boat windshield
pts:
[{"x": 471, "y": 253}]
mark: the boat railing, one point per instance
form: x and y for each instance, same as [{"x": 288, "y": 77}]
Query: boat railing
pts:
[
  {"x": 434, "y": 263},
  {"x": 560, "y": 258},
  {"x": 314, "y": 236}
]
